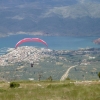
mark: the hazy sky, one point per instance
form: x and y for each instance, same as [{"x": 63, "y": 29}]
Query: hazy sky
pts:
[{"x": 85, "y": 1}]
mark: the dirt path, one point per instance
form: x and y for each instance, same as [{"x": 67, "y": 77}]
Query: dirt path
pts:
[{"x": 66, "y": 73}]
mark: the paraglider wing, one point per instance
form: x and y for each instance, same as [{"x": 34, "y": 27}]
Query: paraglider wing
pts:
[
  {"x": 39, "y": 40},
  {"x": 22, "y": 41},
  {"x": 30, "y": 40},
  {"x": 97, "y": 41}
]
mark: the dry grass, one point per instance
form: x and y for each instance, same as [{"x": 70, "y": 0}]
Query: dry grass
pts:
[{"x": 50, "y": 91}]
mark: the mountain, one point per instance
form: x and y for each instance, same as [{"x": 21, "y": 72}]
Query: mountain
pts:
[{"x": 54, "y": 17}]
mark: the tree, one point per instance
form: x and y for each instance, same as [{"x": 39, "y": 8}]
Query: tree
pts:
[
  {"x": 99, "y": 75},
  {"x": 50, "y": 78},
  {"x": 39, "y": 77}
]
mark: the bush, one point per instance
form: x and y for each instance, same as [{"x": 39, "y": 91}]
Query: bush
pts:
[
  {"x": 14, "y": 84},
  {"x": 67, "y": 78},
  {"x": 49, "y": 78},
  {"x": 99, "y": 75}
]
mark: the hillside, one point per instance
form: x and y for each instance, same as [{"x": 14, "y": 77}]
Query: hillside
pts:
[
  {"x": 16, "y": 64},
  {"x": 54, "y": 17}
]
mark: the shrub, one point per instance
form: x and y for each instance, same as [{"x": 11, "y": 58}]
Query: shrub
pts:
[
  {"x": 99, "y": 75},
  {"x": 67, "y": 78},
  {"x": 49, "y": 78},
  {"x": 14, "y": 84}
]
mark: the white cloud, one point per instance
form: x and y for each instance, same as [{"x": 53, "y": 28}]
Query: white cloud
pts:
[
  {"x": 87, "y": 1},
  {"x": 76, "y": 11},
  {"x": 82, "y": 1},
  {"x": 18, "y": 17}
]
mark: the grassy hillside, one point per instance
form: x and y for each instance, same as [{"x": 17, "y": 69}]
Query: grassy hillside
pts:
[{"x": 55, "y": 90}]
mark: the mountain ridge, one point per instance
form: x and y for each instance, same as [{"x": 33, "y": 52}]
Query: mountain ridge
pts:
[{"x": 69, "y": 18}]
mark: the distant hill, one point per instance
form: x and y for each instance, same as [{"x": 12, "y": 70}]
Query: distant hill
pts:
[
  {"x": 28, "y": 62},
  {"x": 54, "y": 17}
]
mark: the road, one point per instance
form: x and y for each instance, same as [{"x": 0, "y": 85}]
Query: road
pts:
[{"x": 66, "y": 73}]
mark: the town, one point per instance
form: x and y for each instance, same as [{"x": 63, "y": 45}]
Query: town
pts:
[{"x": 50, "y": 62}]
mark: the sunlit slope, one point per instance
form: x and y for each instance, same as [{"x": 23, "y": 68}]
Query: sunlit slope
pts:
[{"x": 16, "y": 64}]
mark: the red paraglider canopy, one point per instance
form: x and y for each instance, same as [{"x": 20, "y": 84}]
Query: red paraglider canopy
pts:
[
  {"x": 97, "y": 41},
  {"x": 30, "y": 40}
]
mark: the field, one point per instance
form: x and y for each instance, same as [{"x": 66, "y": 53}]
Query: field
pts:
[{"x": 51, "y": 90}]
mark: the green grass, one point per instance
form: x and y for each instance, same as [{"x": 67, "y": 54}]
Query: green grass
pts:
[{"x": 46, "y": 90}]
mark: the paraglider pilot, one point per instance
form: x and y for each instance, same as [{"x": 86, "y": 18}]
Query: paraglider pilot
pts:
[{"x": 32, "y": 64}]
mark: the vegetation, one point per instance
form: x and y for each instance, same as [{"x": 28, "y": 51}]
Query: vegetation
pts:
[
  {"x": 14, "y": 84},
  {"x": 87, "y": 63},
  {"x": 55, "y": 90},
  {"x": 49, "y": 78},
  {"x": 99, "y": 75}
]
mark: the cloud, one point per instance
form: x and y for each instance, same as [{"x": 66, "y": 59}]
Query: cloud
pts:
[
  {"x": 82, "y": 1},
  {"x": 18, "y": 17},
  {"x": 87, "y": 1},
  {"x": 76, "y": 11}
]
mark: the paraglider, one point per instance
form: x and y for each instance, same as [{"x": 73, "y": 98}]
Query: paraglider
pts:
[
  {"x": 31, "y": 40},
  {"x": 32, "y": 64},
  {"x": 97, "y": 41}
]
